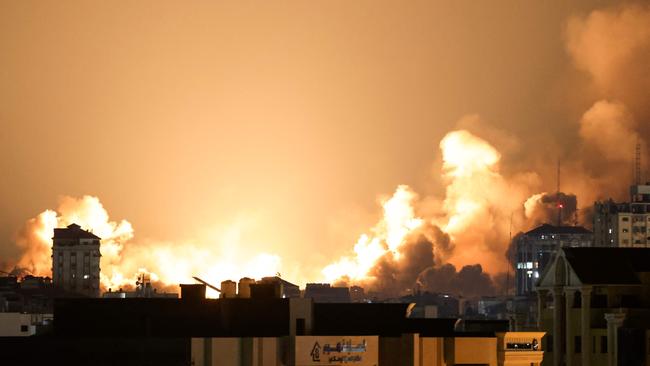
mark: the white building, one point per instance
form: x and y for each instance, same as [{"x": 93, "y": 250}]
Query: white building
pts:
[
  {"x": 75, "y": 260},
  {"x": 20, "y": 324}
]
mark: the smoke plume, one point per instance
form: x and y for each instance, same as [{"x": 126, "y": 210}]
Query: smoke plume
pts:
[
  {"x": 481, "y": 203},
  {"x": 494, "y": 184},
  {"x": 556, "y": 208},
  {"x": 168, "y": 264}
]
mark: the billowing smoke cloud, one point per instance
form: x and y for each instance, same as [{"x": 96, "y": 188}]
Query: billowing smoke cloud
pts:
[
  {"x": 467, "y": 229},
  {"x": 36, "y": 236},
  {"x": 556, "y": 208},
  {"x": 609, "y": 127},
  {"x": 481, "y": 202},
  {"x": 168, "y": 264},
  {"x": 455, "y": 243},
  {"x": 470, "y": 281},
  {"x": 613, "y": 46}
]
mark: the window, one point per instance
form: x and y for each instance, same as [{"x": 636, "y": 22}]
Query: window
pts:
[
  {"x": 625, "y": 219},
  {"x": 603, "y": 344},
  {"x": 577, "y": 344},
  {"x": 625, "y": 230},
  {"x": 549, "y": 343},
  {"x": 24, "y": 328},
  {"x": 598, "y": 301},
  {"x": 593, "y": 344},
  {"x": 300, "y": 326}
]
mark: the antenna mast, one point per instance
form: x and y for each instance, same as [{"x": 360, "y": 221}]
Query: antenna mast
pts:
[
  {"x": 637, "y": 164},
  {"x": 557, "y": 196},
  {"x": 509, "y": 258}
]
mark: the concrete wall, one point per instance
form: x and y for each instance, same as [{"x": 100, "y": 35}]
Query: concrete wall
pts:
[
  {"x": 471, "y": 350},
  {"x": 324, "y": 350},
  {"x": 405, "y": 350},
  {"x": 16, "y": 325},
  {"x": 432, "y": 351},
  {"x": 258, "y": 351}
]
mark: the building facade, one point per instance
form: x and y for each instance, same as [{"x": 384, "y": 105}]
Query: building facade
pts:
[
  {"x": 75, "y": 260},
  {"x": 535, "y": 249},
  {"x": 594, "y": 305},
  {"x": 625, "y": 224}
]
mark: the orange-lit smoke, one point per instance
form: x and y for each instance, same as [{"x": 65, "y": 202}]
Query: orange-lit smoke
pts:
[
  {"x": 613, "y": 47},
  {"x": 386, "y": 238},
  {"x": 430, "y": 238},
  {"x": 169, "y": 264},
  {"x": 470, "y": 225}
]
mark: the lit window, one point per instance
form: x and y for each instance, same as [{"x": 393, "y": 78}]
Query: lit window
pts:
[
  {"x": 536, "y": 274},
  {"x": 529, "y": 265}
]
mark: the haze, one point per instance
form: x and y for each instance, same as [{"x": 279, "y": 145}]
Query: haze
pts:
[{"x": 283, "y": 120}]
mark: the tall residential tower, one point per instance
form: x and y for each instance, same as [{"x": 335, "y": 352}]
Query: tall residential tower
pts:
[{"x": 75, "y": 260}]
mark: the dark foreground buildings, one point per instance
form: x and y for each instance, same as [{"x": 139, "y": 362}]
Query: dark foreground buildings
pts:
[{"x": 261, "y": 330}]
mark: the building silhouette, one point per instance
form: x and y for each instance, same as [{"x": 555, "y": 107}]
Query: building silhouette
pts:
[
  {"x": 75, "y": 260},
  {"x": 594, "y": 306},
  {"x": 535, "y": 249},
  {"x": 255, "y": 331},
  {"x": 624, "y": 224}
]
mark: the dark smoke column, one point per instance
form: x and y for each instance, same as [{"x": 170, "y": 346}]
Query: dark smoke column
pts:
[{"x": 75, "y": 260}]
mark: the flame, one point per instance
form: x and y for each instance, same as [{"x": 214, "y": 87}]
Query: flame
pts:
[
  {"x": 123, "y": 261},
  {"x": 387, "y": 237},
  {"x": 475, "y": 212}
]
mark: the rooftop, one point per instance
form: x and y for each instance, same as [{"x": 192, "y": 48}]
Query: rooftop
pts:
[
  {"x": 620, "y": 266},
  {"x": 552, "y": 229},
  {"x": 74, "y": 231}
]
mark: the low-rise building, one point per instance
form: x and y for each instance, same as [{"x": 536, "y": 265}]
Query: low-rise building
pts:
[
  {"x": 22, "y": 324},
  {"x": 324, "y": 292},
  {"x": 263, "y": 331}
]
